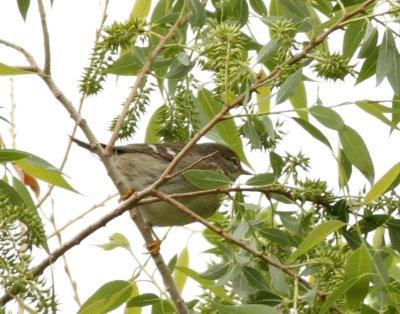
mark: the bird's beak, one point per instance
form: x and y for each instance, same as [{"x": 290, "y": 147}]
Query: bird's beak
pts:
[{"x": 246, "y": 172}]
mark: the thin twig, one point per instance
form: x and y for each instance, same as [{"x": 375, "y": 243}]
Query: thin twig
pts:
[
  {"x": 239, "y": 243},
  {"x": 80, "y": 106},
  {"x": 67, "y": 269},
  {"x": 12, "y": 130},
  {"x": 46, "y": 38},
  {"x": 141, "y": 77},
  {"x": 81, "y": 215},
  {"x": 191, "y": 165}
]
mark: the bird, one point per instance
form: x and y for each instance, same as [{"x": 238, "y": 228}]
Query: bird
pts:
[{"x": 142, "y": 164}]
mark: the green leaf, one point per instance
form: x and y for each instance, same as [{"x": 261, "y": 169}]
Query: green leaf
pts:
[
  {"x": 250, "y": 132},
  {"x": 299, "y": 12},
  {"x": 41, "y": 169},
  {"x": 278, "y": 279},
  {"x": 179, "y": 277},
  {"x": 276, "y": 163},
  {"x": 345, "y": 169},
  {"x": 163, "y": 307},
  {"x": 393, "y": 74},
  {"x": 246, "y": 309},
  {"x": 383, "y": 184},
  {"x": 268, "y": 50},
  {"x": 259, "y": 7},
  {"x": 108, "y": 297},
  {"x": 135, "y": 292},
  {"x": 151, "y": 136},
  {"x": 262, "y": 179},
  {"x": 23, "y": 6},
  {"x": 338, "y": 292},
  {"x": 313, "y": 131},
  {"x": 255, "y": 278},
  {"x": 369, "y": 42},
  {"x": 369, "y": 66},
  {"x": 357, "y": 152},
  {"x": 375, "y": 110},
  {"x": 208, "y": 284},
  {"x": 396, "y": 110},
  {"x": 7, "y": 155},
  {"x": 299, "y": 101},
  {"x": 327, "y": 117},
  {"x": 198, "y": 17},
  {"x": 263, "y": 98},
  {"x": 239, "y": 11},
  {"x": 215, "y": 271},
  {"x": 24, "y": 194},
  {"x": 9, "y": 70},
  {"x": 316, "y": 236},
  {"x": 177, "y": 70},
  {"x": 127, "y": 64},
  {"x": 358, "y": 264},
  {"x": 227, "y": 129},
  {"x": 385, "y": 58},
  {"x": 142, "y": 300},
  {"x": 206, "y": 179},
  {"x": 289, "y": 86},
  {"x": 141, "y": 8},
  {"x": 116, "y": 240},
  {"x": 241, "y": 230},
  {"x": 352, "y": 37},
  {"x": 279, "y": 237}
]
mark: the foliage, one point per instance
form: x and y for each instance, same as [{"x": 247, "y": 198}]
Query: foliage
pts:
[{"x": 320, "y": 246}]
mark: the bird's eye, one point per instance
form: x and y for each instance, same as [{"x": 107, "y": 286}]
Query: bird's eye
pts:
[{"x": 236, "y": 162}]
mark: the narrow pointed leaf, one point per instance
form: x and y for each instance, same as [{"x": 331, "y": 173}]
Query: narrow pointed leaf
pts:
[
  {"x": 206, "y": 179},
  {"x": 313, "y": 131},
  {"x": 316, "y": 236},
  {"x": 383, "y": 184},
  {"x": 357, "y": 152},
  {"x": 289, "y": 86},
  {"x": 327, "y": 117}
]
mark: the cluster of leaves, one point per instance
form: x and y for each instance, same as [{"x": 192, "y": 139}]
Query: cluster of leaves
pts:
[
  {"x": 136, "y": 110},
  {"x": 116, "y": 37},
  {"x": 21, "y": 230},
  {"x": 178, "y": 120},
  {"x": 227, "y": 58}
]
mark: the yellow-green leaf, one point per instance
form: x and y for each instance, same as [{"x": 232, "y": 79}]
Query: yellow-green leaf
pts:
[
  {"x": 9, "y": 70},
  {"x": 227, "y": 129},
  {"x": 141, "y": 8},
  {"x": 382, "y": 184},
  {"x": 376, "y": 111},
  {"x": 108, "y": 297},
  {"x": 316, "y": 236},
  {"x": 180, "y": 277},
  {"x": 358, "y": 264},
  {"x": 42, "y": 170},
  {"x": 263, "y": 98},
  {"x": 206, "y": 283},
  {"x": 299, "y": 101},
  {"x": 151, "y": 136}
]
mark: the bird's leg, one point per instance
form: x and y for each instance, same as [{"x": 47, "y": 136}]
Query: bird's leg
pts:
[
  {"x": 127, "y": 194},
  {"x": 153, "y": 247}
]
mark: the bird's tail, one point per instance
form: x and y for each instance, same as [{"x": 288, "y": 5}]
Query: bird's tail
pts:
[{"x": 83, "y": 144}]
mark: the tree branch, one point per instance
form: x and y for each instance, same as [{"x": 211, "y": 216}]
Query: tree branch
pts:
[
  {"x": 141, "y": 77},
  {"x": 46, "y": 38}
]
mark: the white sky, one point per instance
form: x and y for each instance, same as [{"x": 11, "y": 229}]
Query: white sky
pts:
[{"x": 43, "y": 126}]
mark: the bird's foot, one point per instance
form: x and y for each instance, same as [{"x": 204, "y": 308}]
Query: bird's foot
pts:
[
  {"x": 127, "y": 194},
  {"x": 154, "y": 247}
]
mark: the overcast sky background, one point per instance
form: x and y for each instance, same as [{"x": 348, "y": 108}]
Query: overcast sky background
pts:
[{"x": 43, "y": 125}]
